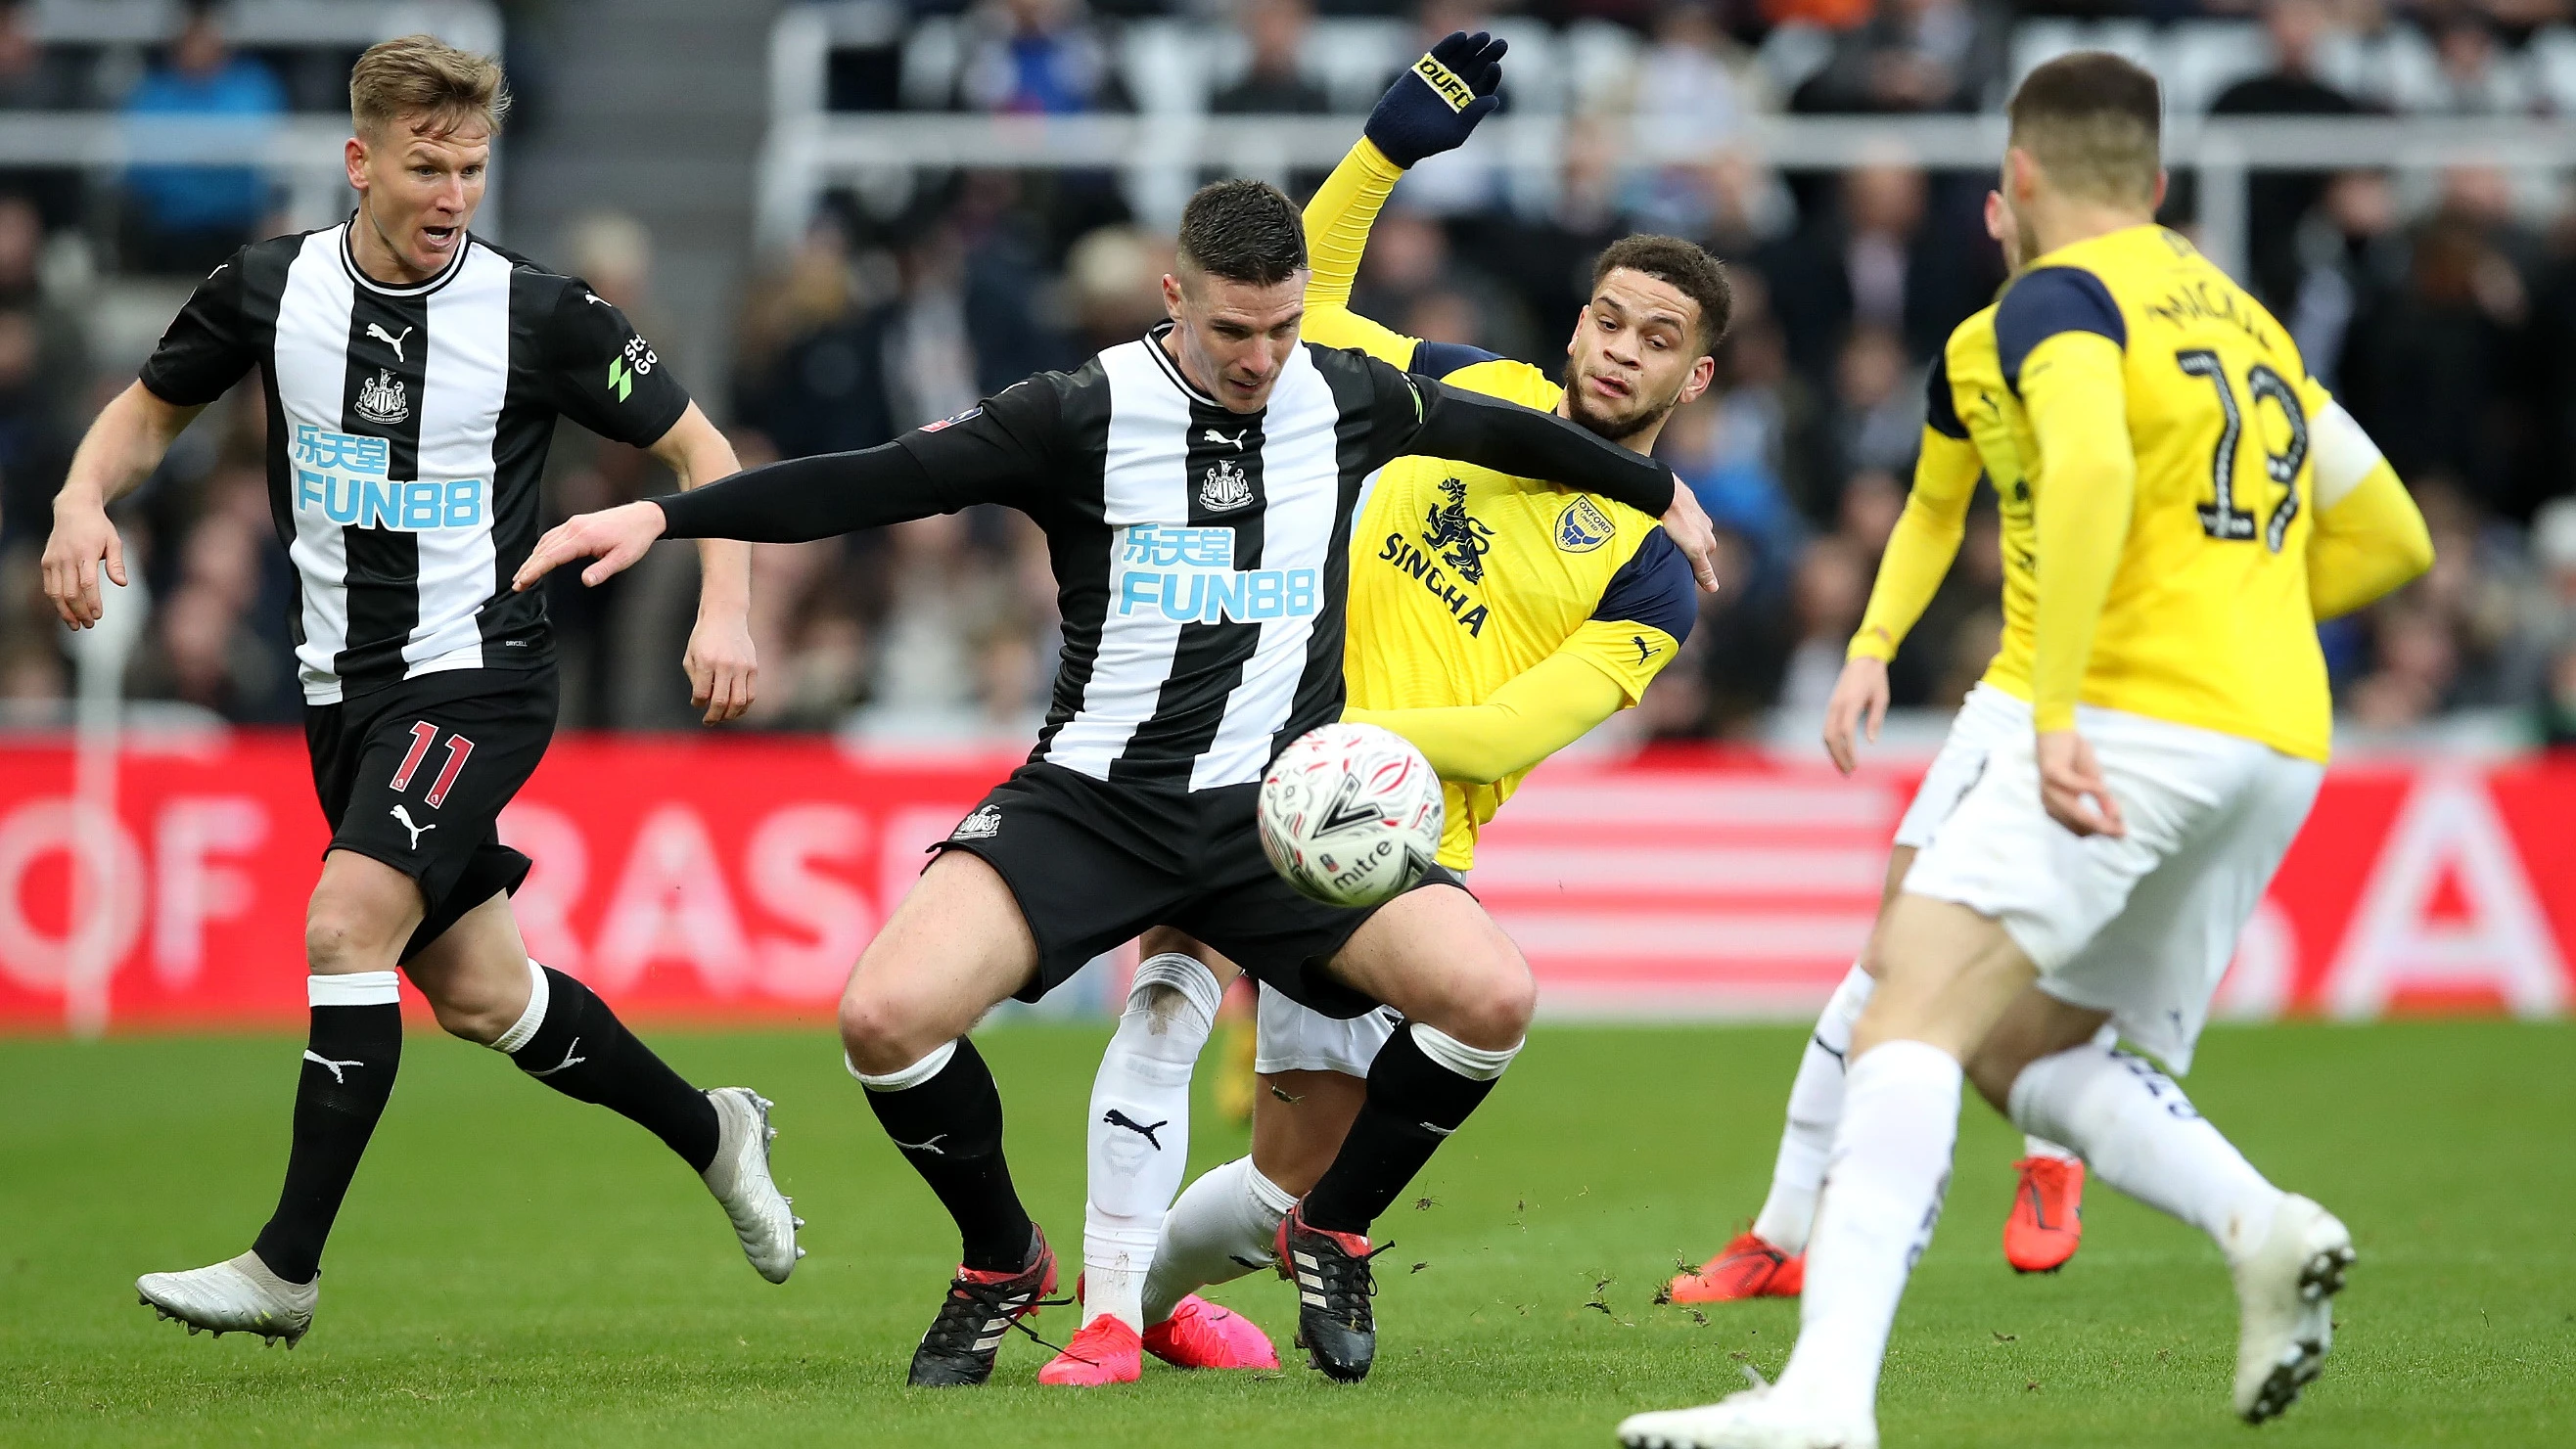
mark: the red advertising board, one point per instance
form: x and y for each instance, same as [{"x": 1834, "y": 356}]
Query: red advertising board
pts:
[{"x": 737, "y": 878}]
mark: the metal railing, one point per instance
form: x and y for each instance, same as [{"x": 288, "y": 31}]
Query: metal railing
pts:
[{"x": 1160, "y": 156}]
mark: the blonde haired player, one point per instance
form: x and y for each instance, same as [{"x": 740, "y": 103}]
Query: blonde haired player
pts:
[
  {"x": 1492, "y": 625},
  {"x": 413, "y": 377},
  {"x": 2182, "y": 503}
]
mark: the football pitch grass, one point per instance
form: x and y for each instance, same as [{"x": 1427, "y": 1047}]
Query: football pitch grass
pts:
[{"x": 513, "y": 1267}]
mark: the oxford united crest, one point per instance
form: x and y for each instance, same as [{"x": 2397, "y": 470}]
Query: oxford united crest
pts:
[
  {"x": 1225, "y": 487},
  {"x": 381, "y": 399},
  {"x": 1583, "y": 527}
]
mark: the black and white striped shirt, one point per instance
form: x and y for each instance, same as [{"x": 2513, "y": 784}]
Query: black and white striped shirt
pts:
[
  {"x": 407, "y": 430},
  {"x": 1201, "y": 555}
]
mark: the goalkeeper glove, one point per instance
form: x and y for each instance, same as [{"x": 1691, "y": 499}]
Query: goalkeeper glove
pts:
[{"x": 1435, "y": 106}]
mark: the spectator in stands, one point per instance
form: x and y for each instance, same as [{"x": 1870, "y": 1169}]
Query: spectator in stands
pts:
[
  {"x": 1832, "y": 584},
  {"x": 1276, "y": 82},
  {"x": 1736, "y": 487},
  {"x": 2474, "y": 76},
  {"x": 2434, "y": 370},
  {"x": 1773, "y": 417},
  {"x": 1694, "y": 83},
  {"x": 185, "y": 219},
  {"x": 2275, "y": 201},
  {"x": 1878, "y": 405},
  {"x": 2352, "y": 261},
  {"x": 33, "y": 446},
  {"x": 1547, "y": 260},
  {"x": 811, "y": 371},
  {"x": 1039, "y": 57},
  {"x": 35, "y": 78},
  {"x": 1115, "y": 278},
  {"x": 1914, "y": 55},
  {"x": 1742, "y": 641},
  {"x": 1697, "y": 85},
  {"x": 1882, "y": 258}
]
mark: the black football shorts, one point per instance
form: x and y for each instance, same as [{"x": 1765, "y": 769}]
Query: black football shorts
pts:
[
  {"x": 416, "y": 775},
  {"x": 1093, "y": 864}
]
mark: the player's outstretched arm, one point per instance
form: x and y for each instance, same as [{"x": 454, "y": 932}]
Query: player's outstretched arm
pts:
[
  {"x": 1431, "y": 108},
  {"x": 1535, "y": 714},
  {"x": 1524, "y": 443},
  {"x": 124, "y": 445},
  {"x": 2369, "y": 539},
  {"x": 722, "y": 665},
  {"x": 792, "y": 502}
]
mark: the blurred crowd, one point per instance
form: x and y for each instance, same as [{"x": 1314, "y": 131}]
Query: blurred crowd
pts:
[{"x": 2440, "y": 306}]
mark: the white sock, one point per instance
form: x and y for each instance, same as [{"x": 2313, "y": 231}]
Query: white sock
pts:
[
  {"x": 1139, "y": 1130},
  {"x": 2107, "y": 1038},
  {"x": 1815, "y": 1105},
  {"x": 1883, "y": 1190},
  {"x": 1223, "y": 1227},
  {"x": 2139, "y": 1133}
]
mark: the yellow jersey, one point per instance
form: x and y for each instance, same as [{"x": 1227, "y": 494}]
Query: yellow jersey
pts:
[
  {"x": 1462, "y": 578},
  {"x": 2207, "y": 621}
]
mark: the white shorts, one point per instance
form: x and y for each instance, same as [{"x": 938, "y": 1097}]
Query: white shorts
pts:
[
  {"x": 1293, "y": 1038},
  {"x": 2142, "y": 926},
  {"x": 1986, "y": 718},
  {"x": 1288, "y": 1037}
]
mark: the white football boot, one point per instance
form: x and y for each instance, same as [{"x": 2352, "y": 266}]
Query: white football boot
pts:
[
  {"x": 2285, "y": 1297},
  {"x": 238, "y": 1295},
  {"x": 739, "y": 1177},
  {"x": 1757, "y": 1418}
]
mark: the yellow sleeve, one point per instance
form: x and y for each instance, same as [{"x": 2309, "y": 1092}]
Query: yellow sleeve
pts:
[
  {"x": 1337, "y": 232},
  {"x": 2366, "y": 545},
  {"x": 2083, "y": 490},
  {"x": 1925, "y": 541},
  {"x": 1535, "y": 714},
  {"x": 2367, "y": 539}
]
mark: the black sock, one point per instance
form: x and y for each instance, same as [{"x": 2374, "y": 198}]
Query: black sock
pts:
[
  {"x": 349, "y": 1063},
  {"x": 950, "y": 1130},
  {"x": 1409, "y": 1095},
  {"x": 582, "y": 1050}
]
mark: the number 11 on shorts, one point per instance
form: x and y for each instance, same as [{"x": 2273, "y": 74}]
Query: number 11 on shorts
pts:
[{"x": 423, "y": 735}]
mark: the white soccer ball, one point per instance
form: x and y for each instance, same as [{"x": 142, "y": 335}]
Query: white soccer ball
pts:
[{"x": 1351, "y": 814}]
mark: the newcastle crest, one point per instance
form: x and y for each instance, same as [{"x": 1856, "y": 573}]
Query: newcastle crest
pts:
[
  {"x": 381, "y": 399},
  {"x": 1224, "y": 488},
  {"x": 984, "y": 824}
]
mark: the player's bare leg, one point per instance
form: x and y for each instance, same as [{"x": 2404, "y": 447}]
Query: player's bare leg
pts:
[
  {"x": 1467, "y": 996},
  {"x": 2044, "y": 1067},
  {"x": 956, "y": 947}
]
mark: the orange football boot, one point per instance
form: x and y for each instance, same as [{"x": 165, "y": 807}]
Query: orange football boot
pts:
[
  {"x": 1745, "y": 1268},
  {"x": 2047, "y": 1222},
  {"x": 1105, "y": 1352}
]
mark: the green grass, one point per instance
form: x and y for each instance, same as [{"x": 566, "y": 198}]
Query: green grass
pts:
[{"x": 513, "y": 1267}]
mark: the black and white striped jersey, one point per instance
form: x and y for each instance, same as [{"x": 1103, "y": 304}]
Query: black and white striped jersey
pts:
[
  {"x": 407, "y": 431},
  {"x": 1200, "y": 555}
]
